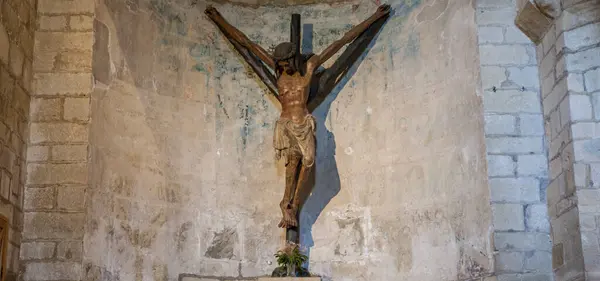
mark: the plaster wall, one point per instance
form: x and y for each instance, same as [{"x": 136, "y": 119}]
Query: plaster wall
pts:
[{"x": 183, "y": 181}]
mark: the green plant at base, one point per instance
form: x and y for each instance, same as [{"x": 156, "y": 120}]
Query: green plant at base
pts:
[{"x": 291, "y": 259}]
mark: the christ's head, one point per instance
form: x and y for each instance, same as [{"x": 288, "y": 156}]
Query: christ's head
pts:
[{"x": 284, "y": 55}]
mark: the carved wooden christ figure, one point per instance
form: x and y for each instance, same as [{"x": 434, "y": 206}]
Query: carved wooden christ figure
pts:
[{"x": 294, "y": 138}]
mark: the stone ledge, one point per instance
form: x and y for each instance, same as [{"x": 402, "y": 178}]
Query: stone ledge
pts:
[
  {"x": 282, "y": 3},
  {"x": 198, "y": 278},
  {"x": 289, "y": 279}
]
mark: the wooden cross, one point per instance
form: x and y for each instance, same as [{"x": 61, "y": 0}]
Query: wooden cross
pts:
[{"x": 323, "y": 82}]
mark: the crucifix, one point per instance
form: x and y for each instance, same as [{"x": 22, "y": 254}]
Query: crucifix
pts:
[{"x": 297, "y": 83}]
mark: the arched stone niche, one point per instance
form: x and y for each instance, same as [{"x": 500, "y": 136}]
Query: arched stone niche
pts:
[{"x": 183, "y": 178}]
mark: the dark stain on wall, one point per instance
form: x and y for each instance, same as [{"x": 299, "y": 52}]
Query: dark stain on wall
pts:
[
  {"x": 160, "y": 272},
  {"x": 122, "y": 186},
  {"x": 469, "y": 268},
  {"x": 355, "y": 225},
  {"x": 96, "y": 273},
  {"x": 222, "y": 244},
  {"x": 182, "y": 235},
  {"x": 144, "y": 239},
  {"x": 139, "y": 264}
]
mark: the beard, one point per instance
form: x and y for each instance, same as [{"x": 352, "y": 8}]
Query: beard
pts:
[{"x": 288, "y": 69}]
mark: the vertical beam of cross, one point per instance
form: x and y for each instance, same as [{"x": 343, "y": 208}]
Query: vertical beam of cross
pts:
[
  {"x": 295, "y": 38},
  {"x": 292, "y": 235}
]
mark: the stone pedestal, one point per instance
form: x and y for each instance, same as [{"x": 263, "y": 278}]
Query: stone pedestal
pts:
[{"x": 289, "y": 279}]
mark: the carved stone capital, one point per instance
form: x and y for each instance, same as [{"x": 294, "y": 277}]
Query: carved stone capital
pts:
[
  {"x": 535, "y": 17},
  {"x": 550, "y": 8}
]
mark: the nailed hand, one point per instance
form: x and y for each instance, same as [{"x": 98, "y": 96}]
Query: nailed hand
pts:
[
  {"x": 383, "y": 10},
  {"x": 211, "y": 11}
]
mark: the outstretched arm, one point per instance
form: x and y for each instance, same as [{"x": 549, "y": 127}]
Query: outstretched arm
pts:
[
  {"x": 382, "y": 11},
  {"x": 333, "y": 76},
  {"x": 238, "y": 36}
]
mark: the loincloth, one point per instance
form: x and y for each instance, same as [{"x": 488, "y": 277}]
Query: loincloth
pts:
[{"x": 293, "y": 138}]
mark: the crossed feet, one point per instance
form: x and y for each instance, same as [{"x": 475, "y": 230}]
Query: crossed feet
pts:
[{"x": 289, "y": 216}]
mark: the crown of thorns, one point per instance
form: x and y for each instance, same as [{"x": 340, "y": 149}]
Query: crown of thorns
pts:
[{"x": 284, "y": 51}]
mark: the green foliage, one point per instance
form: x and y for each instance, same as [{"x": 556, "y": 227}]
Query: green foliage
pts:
[
  {"x": 297, "y": 258},
  {"x": 290, "y": 257},
  {"x": 283, "y": 259},
  {"x": 290, "y": 261}
]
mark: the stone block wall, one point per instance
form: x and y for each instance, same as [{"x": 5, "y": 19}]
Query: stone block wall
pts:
[
  {"x": 516, "y": 153},
  {"x": 17, "y": 26},
  {"x": 57, "y": 158},
  {"x": 569, "y": 59}
]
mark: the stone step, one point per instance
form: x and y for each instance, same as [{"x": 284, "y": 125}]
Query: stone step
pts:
[{"x": 289, "y": 279}]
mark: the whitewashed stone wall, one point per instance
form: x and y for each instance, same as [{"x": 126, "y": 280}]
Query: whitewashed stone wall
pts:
[
  {"x": 569, "y": 59},
  {"x": 516, "y": 152}
]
